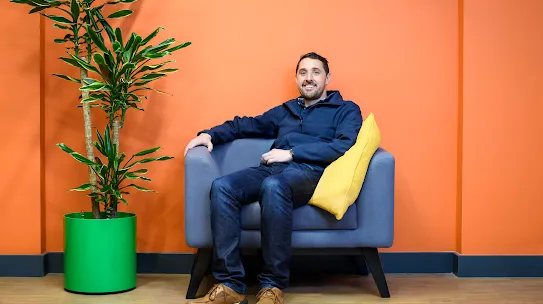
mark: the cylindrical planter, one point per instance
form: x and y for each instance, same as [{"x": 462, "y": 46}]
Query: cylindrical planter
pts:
[{"x": 99, "y": 254}]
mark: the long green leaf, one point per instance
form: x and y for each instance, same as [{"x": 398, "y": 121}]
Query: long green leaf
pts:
[
  {"x": 119, "y": 35},
  {"x": 178, "y": 47},
  {"x": 83, "y": 187},
  {"x": 130, "y": 175},
  {"x": 139, "y": 188},
  {"x": 99, "y": 59},
  {"x": 97, "y": 39},
  {"x": 152, "y": 76},
  {"x": 168, "y": 71},
  {"x": 37, "y": 9},
  {"x": 151, "y": 36},
  {"x": 71, "y": 61},
  {"x": 120, "y": 14},
  {"x": 69, "y": 78},
  {"x": 151, "y": 89},
  {"x": 93, "y": 97},
  {"x": 65, "y": 148},
  {"x": 62, "y": 27},
  {"x": 107, "y": 140},
  {"x": 149, "y": 151},
  {"x": 74, "y": 8},
  {"x": 82, "y": 159},
  {"x": 100, "y": 139},
  {"x": 59, "y": 19},
  {"x": 93, "y": 87},
  {"x": 156, "y": 55},
  {"x": 84, "y": 64}
]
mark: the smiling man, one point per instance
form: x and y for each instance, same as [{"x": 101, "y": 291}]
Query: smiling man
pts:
[{"x": 310, "y": 132}]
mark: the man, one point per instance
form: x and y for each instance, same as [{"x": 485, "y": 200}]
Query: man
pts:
[{"x": 310, "y": 132}]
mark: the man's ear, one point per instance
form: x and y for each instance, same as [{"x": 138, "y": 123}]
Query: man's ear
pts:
[{"x": 328, "y": 78}]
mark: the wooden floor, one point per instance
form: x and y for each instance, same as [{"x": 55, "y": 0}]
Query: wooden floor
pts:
[{"x": 407, "y": 288}]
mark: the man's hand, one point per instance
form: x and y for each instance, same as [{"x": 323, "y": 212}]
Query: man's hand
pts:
[
  {"x": 276, "y": 156},
  {"x": 203, "y": 139}
]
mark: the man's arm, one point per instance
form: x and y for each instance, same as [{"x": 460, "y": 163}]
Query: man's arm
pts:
[
  {"x": 326, "y": 153},
  {"x": 264, "y": 126}
]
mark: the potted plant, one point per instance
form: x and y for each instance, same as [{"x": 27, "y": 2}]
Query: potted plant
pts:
[{"x": 100, "y": 245}]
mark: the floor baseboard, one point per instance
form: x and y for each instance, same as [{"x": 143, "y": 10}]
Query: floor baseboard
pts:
[{"x": 393, "y": 262}]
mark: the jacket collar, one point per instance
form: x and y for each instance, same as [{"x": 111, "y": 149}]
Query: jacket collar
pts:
[{"x": 333, "y": 98}]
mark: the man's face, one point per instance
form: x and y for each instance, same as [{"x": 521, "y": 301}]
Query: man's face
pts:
[{"x": 312, "y": 79}]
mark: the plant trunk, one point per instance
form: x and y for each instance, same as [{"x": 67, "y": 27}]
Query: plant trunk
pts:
[
  {"x": 88, "y": 145},
  {"x": 116, "y": 130}
]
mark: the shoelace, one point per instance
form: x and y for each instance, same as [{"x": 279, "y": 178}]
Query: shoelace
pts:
[
  {"x": 213, "y": 292},
  {"x": 268, "y": 294}
]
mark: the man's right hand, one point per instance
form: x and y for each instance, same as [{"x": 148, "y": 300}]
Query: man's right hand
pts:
[{"x": 203, "y": 139}]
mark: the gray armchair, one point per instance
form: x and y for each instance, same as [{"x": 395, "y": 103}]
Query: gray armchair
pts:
[{"x": 367, "y": 225}]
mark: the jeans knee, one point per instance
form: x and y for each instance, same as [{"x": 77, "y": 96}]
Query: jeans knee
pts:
[
  {"x": 220, "y": 188},
  {"x": 275, "y": 194},
  {"x": 273, "y": 185}
]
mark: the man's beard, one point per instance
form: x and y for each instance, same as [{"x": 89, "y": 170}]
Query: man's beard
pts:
[{"x": 313, "y": 95}]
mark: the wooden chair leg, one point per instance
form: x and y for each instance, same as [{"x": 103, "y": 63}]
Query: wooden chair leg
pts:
[
  {"x": 200, "y": 266},
  {"x": 373, "y": 261}
]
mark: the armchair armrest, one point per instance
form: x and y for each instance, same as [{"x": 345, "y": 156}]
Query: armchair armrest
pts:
[
  {"x": 375, "y": 204},
  {"x": 200, "y": 172}
]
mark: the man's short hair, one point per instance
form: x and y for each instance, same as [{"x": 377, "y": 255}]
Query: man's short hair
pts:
[{"x": 314, "y": 55}]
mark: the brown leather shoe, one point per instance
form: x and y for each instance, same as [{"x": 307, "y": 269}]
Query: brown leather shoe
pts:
[
  {"x": 270, "y": 296},
  {"x": 220, "y": 294}
]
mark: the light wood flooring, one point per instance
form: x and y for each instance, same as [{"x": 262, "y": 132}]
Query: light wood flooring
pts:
[{"x": 406, "y": 288}]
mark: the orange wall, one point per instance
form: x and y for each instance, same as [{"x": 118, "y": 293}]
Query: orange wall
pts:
[
  {"x": 399, "y": 60},
  {"x": 502, "y": 139},
  {"x": 20, "y": 111}
]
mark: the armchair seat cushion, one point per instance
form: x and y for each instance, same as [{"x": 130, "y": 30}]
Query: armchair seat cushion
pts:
[{"x": 304, "y": 218}]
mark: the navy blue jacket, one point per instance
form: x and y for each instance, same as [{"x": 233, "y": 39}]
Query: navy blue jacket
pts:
[{"x": 318, "y": 134}]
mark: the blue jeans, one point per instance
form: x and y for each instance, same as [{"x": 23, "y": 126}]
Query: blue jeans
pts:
[{"x": 279, "y": 188}]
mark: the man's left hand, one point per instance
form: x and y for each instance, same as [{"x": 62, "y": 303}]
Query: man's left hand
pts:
[{"x": 276, "y": 156}]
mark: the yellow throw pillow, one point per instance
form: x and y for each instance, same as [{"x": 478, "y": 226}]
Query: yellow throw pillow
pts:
[{"x": 342, "y": 180}]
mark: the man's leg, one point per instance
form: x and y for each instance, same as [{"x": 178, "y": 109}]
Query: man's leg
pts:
[
  {"x": 228, "y": 194},
  {"x": 279, "y": 195}
]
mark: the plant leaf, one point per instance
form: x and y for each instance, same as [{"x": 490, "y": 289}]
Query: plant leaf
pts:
[
  {"x": 156, "y": 55},
  {"x": 93, "y": 97},
  {"x": 120, "y": 14},
  {"x": 178, "y": 47},
  {"x": 69, "y": 78},
  {"x": 83, "y": 187},
  {"x": 74, "y": 8},
  {"x": 59, "y": 19},
  {"x": 96, "y": 86},
  {"x": 37, "y": 9},
  {"x": 151, "y": 36},
  {"x": 145, "y": 152},
  {"x": 97, "y": 39},
  {"x": 65, "y": 148},
  {"x": 140, "y": 188},
  {"x": 148, "y": 160}
]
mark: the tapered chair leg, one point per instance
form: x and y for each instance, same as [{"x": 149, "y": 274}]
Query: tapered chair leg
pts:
[
  {"x": 200, "y": 266},
  {"x": 373, "y": 261}
]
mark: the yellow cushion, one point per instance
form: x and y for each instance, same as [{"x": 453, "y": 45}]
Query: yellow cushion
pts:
[{"x": 342, "y": 180}]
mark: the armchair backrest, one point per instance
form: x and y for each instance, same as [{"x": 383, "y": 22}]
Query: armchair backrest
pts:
[{"x": 240, "y": 154}]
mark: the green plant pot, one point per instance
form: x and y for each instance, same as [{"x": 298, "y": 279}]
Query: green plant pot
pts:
[{"x": 99, "y": 255}]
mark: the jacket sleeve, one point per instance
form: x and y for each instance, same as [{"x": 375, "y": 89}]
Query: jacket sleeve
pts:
[
  {"x": 325, "y": 153},
  {"x": 262, "y": 126}
]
